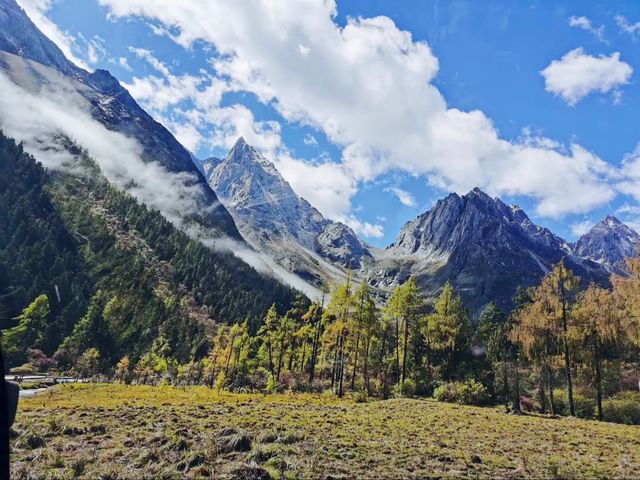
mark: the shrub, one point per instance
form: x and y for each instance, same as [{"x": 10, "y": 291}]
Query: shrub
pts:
[
  {"x": 623, "y": 407},
  {"x": 26, "y": 369},
  {"x": 406, "y": 389},
  {"x": 470, "y": 392},
  {"x": 361, "y": 397},
  {"x": 585, "y": 406},
  {"x": 270, "y": 388}
]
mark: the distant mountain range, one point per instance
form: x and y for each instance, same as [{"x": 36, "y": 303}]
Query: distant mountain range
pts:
[{"x": 485, "y": 247}]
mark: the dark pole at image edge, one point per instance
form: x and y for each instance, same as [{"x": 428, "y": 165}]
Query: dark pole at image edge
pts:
[{"x": 4, "y": 421}]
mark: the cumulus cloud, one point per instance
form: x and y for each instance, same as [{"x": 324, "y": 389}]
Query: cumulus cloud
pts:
[
  {"x": 577, "y": 74},
  {"x": 405, "y": 197},
  {"x": 368, "y": 87},
  {"x": 37, "y": 11},
  {"x": 585, "y": 24}
]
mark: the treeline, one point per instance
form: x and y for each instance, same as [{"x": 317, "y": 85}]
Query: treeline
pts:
[
  {"x": 110, "y": 273},
  {"x": 561, "y": 351}
]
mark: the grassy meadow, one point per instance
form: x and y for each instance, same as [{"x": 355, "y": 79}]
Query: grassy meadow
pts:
[{"x": 110, "y": 431}]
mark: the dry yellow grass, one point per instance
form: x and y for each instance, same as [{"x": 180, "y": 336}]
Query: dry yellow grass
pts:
[{"x": 115, "y": 431}]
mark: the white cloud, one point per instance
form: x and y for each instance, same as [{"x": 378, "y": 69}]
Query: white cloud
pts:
[
  {"x": 124, "y": 63},
  {"x": 366, "y": 229},
  {"x": 310, "y": 140},
  {"x": 627, "y": 209},
  {"x": 405, "y": 197},
  {"x": 580, "y": 228},
  {"x": 585, "y": 24},
  {"x": 630, "y": 185},
  {"x": 625, "y": 26},
  {"x": 578, "y": 74},
  {"x": 367, "y": 86},
  {"x": 153, "y": 61},
  {"x": 95, "y": 49},
  {"x": 37, "y": 11}
]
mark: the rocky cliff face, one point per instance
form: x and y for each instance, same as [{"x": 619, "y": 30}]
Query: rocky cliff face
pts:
[
  {"x": 609, "y": 243},
  {"x": 483, "y": 246},
  {"x": 273, "y": 218}
]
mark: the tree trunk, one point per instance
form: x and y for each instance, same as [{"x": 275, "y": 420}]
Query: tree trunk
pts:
[
  {"x": 365, "y": 372},
  {"x": 567, "y": 359},
  {"x": 334, "y": 368},
  {"x": 280, "y": 358},
  {"x": 397, "y": 347},
  {"x": 314, "y": 353},
  {"x": 598, "y": 372},
  {"x": 516, "y": 388},
  {"x": 341, "y": 379},
  {"x": 4, "y": 424},
  {"x": 542, "y": 397},
  {"x": 271, "y": 366},
  {"x": 355, "y": 364},
  {"x": 505, "y": 384},
  {"x": 404, "y": 350},
  {"x": 304, "y": 355},
  {"x": 552, "y": 407}
]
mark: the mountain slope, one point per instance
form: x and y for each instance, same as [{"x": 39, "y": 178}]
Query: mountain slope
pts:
[
  {"x": 485, "y": 247},
  {"x": 273, "y": 218},
  {"x": 118, "y": 275},
  {"x": 26, "y": 49},
  {"x": 609, "y": 243}
]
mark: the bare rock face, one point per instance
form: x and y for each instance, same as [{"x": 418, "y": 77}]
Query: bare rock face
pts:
[
  {"x": 486, "y": 248},
  {"x": 609, "y": 243},
  {"x": 276, "y": 221}
]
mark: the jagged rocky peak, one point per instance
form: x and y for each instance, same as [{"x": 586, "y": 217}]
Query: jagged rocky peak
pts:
[
  {"x": 485, "y": 247},
  {"x": 609, "y": 243},
  {"x": 270, "y": 213},
  {"x": 475, "y": 217}
]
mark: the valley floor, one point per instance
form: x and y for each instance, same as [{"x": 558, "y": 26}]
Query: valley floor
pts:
[{"x": 132, "y": 432}]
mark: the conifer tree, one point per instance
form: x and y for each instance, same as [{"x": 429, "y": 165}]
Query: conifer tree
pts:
[{"x": 598, "y": 322}]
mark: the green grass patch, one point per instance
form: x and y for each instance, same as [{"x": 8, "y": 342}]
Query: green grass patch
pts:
[{"x": 117, "y": 431}]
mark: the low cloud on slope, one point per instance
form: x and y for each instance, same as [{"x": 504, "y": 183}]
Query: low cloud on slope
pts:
[{"x": 36, "y": 116}]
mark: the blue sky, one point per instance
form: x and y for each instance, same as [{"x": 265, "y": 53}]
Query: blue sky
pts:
[{"x": 332, "y": 115}]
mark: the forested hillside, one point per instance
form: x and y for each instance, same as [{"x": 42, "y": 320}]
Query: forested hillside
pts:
[{"x": 105, "y": 272}]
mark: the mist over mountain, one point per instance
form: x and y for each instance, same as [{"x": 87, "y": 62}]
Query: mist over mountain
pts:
[{"x": 39, "y": 69}]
